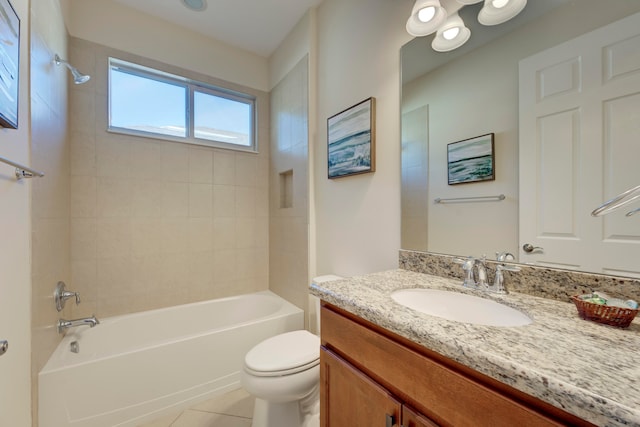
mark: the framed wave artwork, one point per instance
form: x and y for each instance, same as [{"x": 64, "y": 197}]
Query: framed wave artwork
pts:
[
  {"x": 351, "y": 138},
  {"x": 471, "y": 160},
  {"x": 9, "y": 65}
]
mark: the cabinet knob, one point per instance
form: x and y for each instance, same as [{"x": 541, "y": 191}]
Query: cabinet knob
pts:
[{"x": 391, "y": 420}]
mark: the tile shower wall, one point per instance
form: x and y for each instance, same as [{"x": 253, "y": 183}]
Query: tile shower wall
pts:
[
  {"x": 157, "y": 223},
  {"x": 49, "y": 195},
  {"x": 289, "y": 179}
]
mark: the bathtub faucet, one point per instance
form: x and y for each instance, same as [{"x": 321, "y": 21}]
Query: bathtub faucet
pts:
[{"x": 63, "y": 324}]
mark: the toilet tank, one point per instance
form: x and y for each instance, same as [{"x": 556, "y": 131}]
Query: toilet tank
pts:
[{"x": 314, "y": 303}]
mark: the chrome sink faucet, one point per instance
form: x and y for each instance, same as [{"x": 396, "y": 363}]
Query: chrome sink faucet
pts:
[
  {"x": 63, "y": 324},
  {"x": 476, "y": 273}
]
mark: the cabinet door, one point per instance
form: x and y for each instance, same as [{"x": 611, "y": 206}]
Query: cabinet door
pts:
[
  {"x": 411, "y": 418},
  {"x": 348, "y": 398}
]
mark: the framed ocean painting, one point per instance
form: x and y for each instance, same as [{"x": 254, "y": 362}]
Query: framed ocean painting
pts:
[
  {"x": 9, "y": 65},
  {"x": 471, "y": 160},
  {"x": 351, "y": 140}
]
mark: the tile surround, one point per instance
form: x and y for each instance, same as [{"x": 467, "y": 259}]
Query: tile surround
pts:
[
  {"x": 51, "y": 230},
  {"x": 157, "y": 223},
  {"x": 288, "y": 226}
]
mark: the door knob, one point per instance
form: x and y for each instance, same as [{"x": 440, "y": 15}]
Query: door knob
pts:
[
  {"x": 528, "y": 248},
  {"x": 4, "y": 346}
]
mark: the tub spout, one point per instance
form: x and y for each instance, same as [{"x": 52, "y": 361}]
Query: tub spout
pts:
[{"x": 63, "y": 324}]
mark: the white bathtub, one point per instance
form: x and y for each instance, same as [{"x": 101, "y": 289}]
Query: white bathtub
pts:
[{"x": 133, "y": 368}]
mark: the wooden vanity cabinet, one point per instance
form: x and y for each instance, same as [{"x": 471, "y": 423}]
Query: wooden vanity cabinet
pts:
[
  {"x": 356, "y": 400},
  {"x": 372, "y": 377}
]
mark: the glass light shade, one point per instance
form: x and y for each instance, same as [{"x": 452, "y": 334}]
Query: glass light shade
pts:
[
  {"x": 418, "y": 28},
  {"x": 451, "y": 35},
  {"x": 496, "y": 12},
  {"x": 196, "y": 5},
  {"x": 426, "y": 14}
]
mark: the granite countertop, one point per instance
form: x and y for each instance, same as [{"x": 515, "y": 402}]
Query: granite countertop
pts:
[{"x": 587, "y": 369}]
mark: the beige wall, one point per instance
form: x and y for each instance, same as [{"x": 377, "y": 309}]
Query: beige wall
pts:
[
  {"x": 112, "y": 24},
  {"x": 50, "y": 196},
  {"x": 15, "y": 250},
  {"x": 157, "y": 223},
  {"x": 478, "y": 94},
  {"x": 357, "y": 219}
]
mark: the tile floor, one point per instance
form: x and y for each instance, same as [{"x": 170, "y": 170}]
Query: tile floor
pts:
[{"x": 233, "y": 409}]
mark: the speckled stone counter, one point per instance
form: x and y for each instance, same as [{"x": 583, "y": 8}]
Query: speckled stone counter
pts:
[{"x": 587, "y": 369}]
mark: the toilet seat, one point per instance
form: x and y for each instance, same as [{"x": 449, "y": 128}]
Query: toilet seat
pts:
[{"x": 284, "y": 354}]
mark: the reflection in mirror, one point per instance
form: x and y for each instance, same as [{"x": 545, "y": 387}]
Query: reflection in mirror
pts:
[{"x": 474, "y": 90}]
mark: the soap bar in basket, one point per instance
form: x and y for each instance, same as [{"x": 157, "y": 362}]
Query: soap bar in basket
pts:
[{"x": 598, "y": 307}]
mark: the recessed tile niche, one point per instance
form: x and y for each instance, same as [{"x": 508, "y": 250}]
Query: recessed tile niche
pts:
[{"x": 286, "y": 189}]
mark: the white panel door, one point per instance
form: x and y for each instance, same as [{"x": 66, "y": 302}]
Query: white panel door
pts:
[{"x": 580, "y": 146}]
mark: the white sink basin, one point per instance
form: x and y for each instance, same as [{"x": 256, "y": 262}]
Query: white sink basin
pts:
[{"x": 460, "y": 307}]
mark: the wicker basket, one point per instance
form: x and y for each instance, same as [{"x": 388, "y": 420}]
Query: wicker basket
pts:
[{"x": 609, "y": 315}]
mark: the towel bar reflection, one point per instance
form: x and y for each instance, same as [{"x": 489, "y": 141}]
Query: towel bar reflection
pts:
[
  {"x": 21, "y": 170},
  {"x": 471, "y": 199}
]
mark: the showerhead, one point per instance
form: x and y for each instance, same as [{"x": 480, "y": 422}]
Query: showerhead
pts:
[{"x": 78, "y": 77}]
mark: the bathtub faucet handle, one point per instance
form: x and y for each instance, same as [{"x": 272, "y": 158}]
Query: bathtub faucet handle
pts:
[{"x": 61, "y": 295}]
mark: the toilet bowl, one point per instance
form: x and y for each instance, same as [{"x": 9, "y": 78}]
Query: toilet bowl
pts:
[{"x": 283, "y": 374}]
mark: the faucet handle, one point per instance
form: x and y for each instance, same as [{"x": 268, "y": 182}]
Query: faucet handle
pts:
[
  {"x": 463, "y": 261},
  {"x": 505, "y": 256},
  {"x": 61, "y": 295}
]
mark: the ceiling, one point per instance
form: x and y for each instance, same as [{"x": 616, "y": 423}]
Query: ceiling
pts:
[{"x": 258, "y": 26}]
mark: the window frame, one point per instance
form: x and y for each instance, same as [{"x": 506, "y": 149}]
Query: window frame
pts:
[{"x": 191, "y": 86}]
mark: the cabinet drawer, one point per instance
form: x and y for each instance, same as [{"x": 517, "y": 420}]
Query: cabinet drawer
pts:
[{"x": 449, "y": 397}]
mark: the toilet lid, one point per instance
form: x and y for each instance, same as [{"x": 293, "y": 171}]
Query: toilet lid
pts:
[{"x": 284, "y": 353}]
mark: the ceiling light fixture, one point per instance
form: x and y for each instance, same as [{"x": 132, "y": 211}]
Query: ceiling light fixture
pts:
[
  {"x": 430, "y": 16},
  {"x": 426, "y": 17},
  {"x": 78, "y": 77},
  {"x": 195, "y": 5}
]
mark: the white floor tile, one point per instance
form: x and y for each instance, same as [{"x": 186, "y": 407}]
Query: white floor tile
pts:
[
  {"x": 233, "y": 409},
  {"x": 165, "y": 421},
  {"x": 238, "y": 403},
  {"x": 191, "y": 418}
]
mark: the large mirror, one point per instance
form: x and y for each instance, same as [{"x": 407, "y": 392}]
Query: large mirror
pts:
[{"x": 473, "y": 91}]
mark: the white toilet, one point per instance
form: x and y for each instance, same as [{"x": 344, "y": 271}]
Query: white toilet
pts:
[{"x": 283, "y": 374}]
